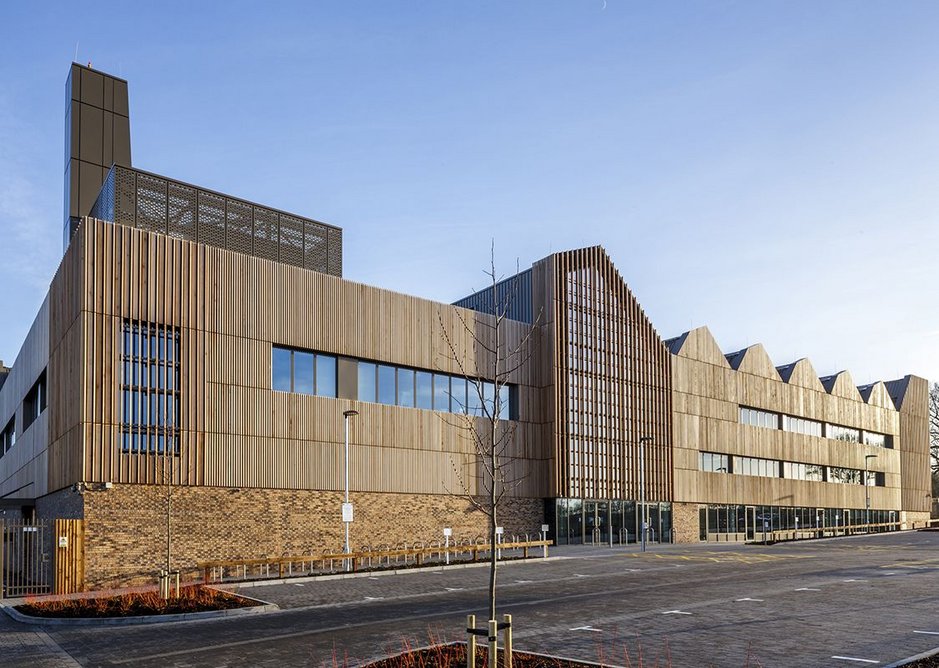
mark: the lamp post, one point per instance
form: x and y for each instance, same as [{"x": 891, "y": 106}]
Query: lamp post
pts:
[
  {"x": 867, "y": 491},
  {"x": 642, "y": 487},
  {"x": 347, "y": 507}
]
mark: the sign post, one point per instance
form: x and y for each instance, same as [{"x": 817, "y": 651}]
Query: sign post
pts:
[
  {"x": 447, "y": 532},
  {"x": 497, "y": 546}
]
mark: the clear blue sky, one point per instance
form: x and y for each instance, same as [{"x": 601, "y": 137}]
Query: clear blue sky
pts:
[{"x": 769, "y": 169}]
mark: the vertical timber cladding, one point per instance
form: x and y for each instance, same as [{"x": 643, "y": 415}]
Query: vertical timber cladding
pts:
[
  {"x": 912, "y": 397},
  {"x": 150, "y": 278},
  {"x": 613, "y": 384}
]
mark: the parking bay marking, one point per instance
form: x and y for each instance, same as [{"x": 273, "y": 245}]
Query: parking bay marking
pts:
[
  {"x": 807, "y": 589},
  {"x": 757, "y": 600},
  {"x": 852, "y": 658},
  {"x": 586, "y": 628},
  {"x": 676, "y": 612},
  {"x": 928, "y": 633}
]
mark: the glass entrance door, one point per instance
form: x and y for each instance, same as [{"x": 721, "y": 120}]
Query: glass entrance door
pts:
[
  {"x": 751, "y": 522},
  {"x": 596, "y": 522}
]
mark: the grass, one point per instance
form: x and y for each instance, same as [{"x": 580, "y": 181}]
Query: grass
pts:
[{"x": 195, "y": 598}]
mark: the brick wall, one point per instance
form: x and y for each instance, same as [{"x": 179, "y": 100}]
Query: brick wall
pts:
[
  {"x": 125, "y": 532},
  {"x": 685, "y": 521}
]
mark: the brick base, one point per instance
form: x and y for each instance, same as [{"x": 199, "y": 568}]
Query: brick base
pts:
[{"x": 125, "y": 526}]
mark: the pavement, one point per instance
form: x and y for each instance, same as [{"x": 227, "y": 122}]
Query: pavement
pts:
[{"x": 858, "y": 601}]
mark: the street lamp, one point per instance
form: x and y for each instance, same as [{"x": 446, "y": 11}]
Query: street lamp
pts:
[
  {"x": 867, "y": 491},
  {"x": 642, "y": 487},
  {"x": 347, "y": 507}
]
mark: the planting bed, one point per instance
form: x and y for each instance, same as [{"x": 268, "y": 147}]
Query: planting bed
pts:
[
  {"x": 454, "y": 656},
  {"x": 196, "y": 598}
]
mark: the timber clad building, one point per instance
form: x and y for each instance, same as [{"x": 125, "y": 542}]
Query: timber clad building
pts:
[{"x": 196, "y": 338}]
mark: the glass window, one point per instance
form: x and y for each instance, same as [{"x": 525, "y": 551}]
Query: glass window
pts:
[
  {"x": 458, "y": 400},
  {"x": 367, "y": 389},
  {"x": 302, "y": 372},
  {"x": 876, "y": 440},
  {"x": 425, "y": 389},
  {"x": 489, "y": 399},
  {"x": 386, "y": 384},
  {"x": 406, "y": 388},
  {"x": 326, "y": 375},
  {"x": 505, "y": 405},
  {"x": 441, "y": 392},
  {"x": 474, "y": 405},
  {"x": 281, "y": 370}
]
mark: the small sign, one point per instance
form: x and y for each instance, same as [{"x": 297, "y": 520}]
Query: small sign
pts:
[
  {"x": 499, "y": 531},
  {"x": 447, "y": 531},
  {"x": 544, "y": 528},
  {"x": 63, "y": 541},
  {"x": 347, "y": 512}
]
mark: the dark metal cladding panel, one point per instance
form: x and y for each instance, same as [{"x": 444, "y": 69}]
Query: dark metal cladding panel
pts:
[
  {"x": 266, "y": 234},
  {"x": 181, "y": 212},
  {"x": 291, "y": 240},
  {"x": 92, "y": 88},
  {"x": 107, "y": 147},
  {"x": 151, "y": 203},
  {"x": 89, "y": 183},
  {"x": 125, "y": 194},
  {"x": 239, "y": 222},
  {"x": 314, "y": 246},
  {"x": 120, "y": 98},
  {"x": 121, "y": 140},
  {"x": 334, "y": 261},
  {"x": 211, "y": 220},
  {"x": 108, "y": 94},
  {"x": 104, "y": 206},
  {"x": 90, "y": 141}
]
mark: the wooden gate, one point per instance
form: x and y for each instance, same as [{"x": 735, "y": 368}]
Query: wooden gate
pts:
[
  {"x": 25, "y": 558},
  {"x": 69, "y": 556}
]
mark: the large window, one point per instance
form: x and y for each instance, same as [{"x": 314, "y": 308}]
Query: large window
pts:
[
  {"x": 842, "y": 475},
  {"x": 150, "y": 388},
  {"x": 303, "y": 372},
  {"x": 840, "y": 433},
  {"x": 767, "y": 468},
  {"x": 802, "y": 425},
  {"x": 799, "y": 471},
  {"x": 715, "y": 463},
  {"x": 758, "y": 418},
  {"x": 876, "y": 440},
  {"x": 8, "y": 436}
]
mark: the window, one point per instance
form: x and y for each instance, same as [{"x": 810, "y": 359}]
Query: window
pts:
[
  {"x": 874, "y": 439},
  {"x": 766, "y": 468},
  {"x": 303, "y": 372},
  {"x": 8, "y": 436},
  {"x": 149, "y": 391},
  {"x": 367, "y": 385},
  {"x": 406, "y": 388},
  {"x": 802, "y": 425},
  {"x": 35, "y": 402},
  {"x": 715, "y": 463},
  {"x": 441, "y": 393},
  {"x": 839, "y": 433},
  {"x": 425, "y": 391},
  {"x": 758, "y": 418},
  {"x": 846, "y": 476},
  {"x": 386, "y": 384}
]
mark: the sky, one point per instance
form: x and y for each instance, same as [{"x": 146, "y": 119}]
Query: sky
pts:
[{"x": 770, "y": 169}]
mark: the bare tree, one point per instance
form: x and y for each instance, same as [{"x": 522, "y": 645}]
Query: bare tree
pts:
[{"x": 496, "y": 360}]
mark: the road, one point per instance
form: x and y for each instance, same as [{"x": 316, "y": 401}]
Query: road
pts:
[{"x": 861, "y": 601}]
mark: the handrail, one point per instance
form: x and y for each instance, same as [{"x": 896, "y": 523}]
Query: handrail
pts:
[
  {"x": 417, "y": 552},
  {"x": 792, "y": 534}
]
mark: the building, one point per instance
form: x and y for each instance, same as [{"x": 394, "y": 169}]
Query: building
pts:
[{"x": 198, "y": 348}]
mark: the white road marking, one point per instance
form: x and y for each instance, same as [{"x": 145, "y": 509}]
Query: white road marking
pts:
[
  {"x": 928, "y": 633},
  {"x": 454, "y": 588},
  {"x": 676, "y": 612},
  {"x": 297, "y": 584},
  {"x": 856, "y": 580},
  {"x": 807, "y": 589},
  {"x": 758, "y": 600},
  {"x": 578, "y": 575},
  {"x": 523, "y": 582},
  {"x": 851, "y": 658},
  {"x": 373, "y": 598},
  {"x": 586, "y": 628}
]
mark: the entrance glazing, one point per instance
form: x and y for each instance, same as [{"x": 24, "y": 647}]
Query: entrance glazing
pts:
[{"x": 605, "y": 522}]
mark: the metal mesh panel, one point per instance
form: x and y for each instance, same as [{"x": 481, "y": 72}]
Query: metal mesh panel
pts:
[
  {"x": 104, "y": 205},
  {"x": 211, "y": 221},
  {"x": 151, "y": 203},
  {"x": 125, "y": 196},
  {"x": 314, "y": 246},
  {"x": 181, "y": 216},
  {"x": 238, "y": 217},
  {"x": 291, "y": 240},
  {"x": 334, "y": 264},
  {"x": 266, "y": 234}
]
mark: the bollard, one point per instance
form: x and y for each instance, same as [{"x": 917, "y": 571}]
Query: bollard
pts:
[
  {"x": 493, "y": 661},
  {"x": 471, "y": 641},
  {"x": 507, "y": 641}
]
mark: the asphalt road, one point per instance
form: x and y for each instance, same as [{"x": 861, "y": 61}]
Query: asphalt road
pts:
[{"x": 860, "y": 601}]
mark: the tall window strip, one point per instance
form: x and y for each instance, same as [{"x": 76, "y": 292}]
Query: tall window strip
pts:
[
  {"x": 303, "y": 372},
  {"x": 799, "y": 425},
  {"x": 8, "y": 436},
  {"x": 35, "y": 401},
  {"x": 150, "y": 388}
]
